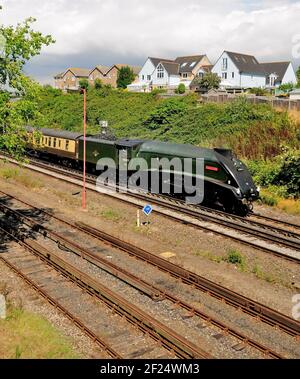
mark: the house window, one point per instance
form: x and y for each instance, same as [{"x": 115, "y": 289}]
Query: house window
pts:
[
  {"x": 185, "y": 75},
  {"x": 143, "y": 77},
  {"x": 160, "y": 72},
  {"x": 224, "y": 75},
  {"x": 73, "y": 78},
  {"x": 232, "y": 75},
  {"x": 225, "y": 64},
  {"x": 200, "y": 74},
  {"x": 148, "y": 77}
]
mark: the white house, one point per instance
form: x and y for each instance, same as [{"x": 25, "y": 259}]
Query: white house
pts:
[
  {"x": 239, "y": 71},
  {"x": 146, "y": 75},
  {"x": 166, "y": 73},
  {"x": 278, "y": 73},
  {"x": 244, "y": 71}
]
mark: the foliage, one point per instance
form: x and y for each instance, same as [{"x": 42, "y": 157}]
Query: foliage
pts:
[
  {"x": 298, "y": 76},
  {"x": 98, "y": 84},
  {"x": 258, "y": 91},
  {"x": 208, "y": 81},
  {"x": 165, "y": 114},
  {"x": 289, "y": 172},
  {"x": 287, "y": 87},
  {"x": 21, "y": 44},
  {"x": 84, "y": 84},
  {"x": 125, "y": 77},
  {"x": 180, "y": 89}
]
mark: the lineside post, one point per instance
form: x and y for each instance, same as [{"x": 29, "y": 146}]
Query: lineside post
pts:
[{"x": 84, "y": 150}]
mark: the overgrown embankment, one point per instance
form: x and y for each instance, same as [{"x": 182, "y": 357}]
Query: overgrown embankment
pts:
[{"x": 266, "y": 138}]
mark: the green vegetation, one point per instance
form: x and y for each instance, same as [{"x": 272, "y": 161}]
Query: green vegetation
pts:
[
  {"x": 298, "y": 76},
  {"x": 84, "y": 84},
  {"x": 125, "y": 77},
  {"x": 111, "y": 214},
  {"x": 208, "y": 81},
  {"x": 236, "y": 258},
  {"x": 27, "y": 335},
  {"x": 266, "y": 138},
  {"x": 21, "y": 44},
  {"x": 287, "y": 87},
  {"x": 258, "y": 91},
  {"x": 180, "y": 89}
]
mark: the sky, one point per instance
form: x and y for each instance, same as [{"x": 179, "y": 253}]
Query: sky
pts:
[{"x": 94, "y": 32}]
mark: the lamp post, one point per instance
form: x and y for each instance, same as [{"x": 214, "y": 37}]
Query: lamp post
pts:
[{"x": 84, "y": 150}]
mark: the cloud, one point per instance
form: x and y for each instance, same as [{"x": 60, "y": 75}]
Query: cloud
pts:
[{"x": 93, "y": 31}]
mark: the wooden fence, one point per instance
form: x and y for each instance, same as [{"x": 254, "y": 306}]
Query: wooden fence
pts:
[{"x": 274, "y": 102}]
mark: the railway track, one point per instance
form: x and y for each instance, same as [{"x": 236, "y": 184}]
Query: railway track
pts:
[
  {"x": 248, "y": 306},
  {"x": 160, "y": 333},
  {"x": 276, "y": 240}
]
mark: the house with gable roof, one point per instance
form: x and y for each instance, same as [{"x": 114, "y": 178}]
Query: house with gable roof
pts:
[
  {"x": 167, "y": 73},
  {"x": 242, "y": 71},
  {"x": 69, "y": 79}
]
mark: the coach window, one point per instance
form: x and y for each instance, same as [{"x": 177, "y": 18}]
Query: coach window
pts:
[
  {"x": 54, "y": 142},
  {"x": 59, "y": 143},
  {"x": 49, "y": 142},
  {"x": 67, "y": 145}
]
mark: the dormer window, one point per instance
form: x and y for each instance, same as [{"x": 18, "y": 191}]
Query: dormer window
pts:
[
  {"x": 193, "y": 64},
  {"x": 184, "y": 64},
  {"x": 160, "y": 72}
]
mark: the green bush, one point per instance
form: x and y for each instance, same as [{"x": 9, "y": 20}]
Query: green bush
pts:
[
  {"x": 234, "y": 257},
  {"x": 84, "y": 83},
  {"x": 289, "y": 172},
  {"x": 258, "y": 91},
  {"x": 180, "y": 89},
  {"x": 165, "y": 114},
  {"x": 98, "y": 84}
]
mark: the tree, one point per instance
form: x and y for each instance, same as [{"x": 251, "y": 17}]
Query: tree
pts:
[
  {"x": 19, "y": 45},
  {"x": 298, "y": 76},
  {"x": 287, "y": 87},
  {"x": 98, "y": 84},
  {"x": 180, "y": 89},
  {"x": 208, "y": 81},
  {"x": 84, "y": 84},
  {"x": 125, "y": 77}
]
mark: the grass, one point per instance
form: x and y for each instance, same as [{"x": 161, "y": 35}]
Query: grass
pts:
[
  {"x": 21, "y": 177},
  {"x": 26, "y": 335},
  {"x": 260, "y": 274},
  {"x": 236, "y": 258},
  {"x": 291, "y": 206},
  {"x": 9, "y": 173},
  {"x": 111, "y": 214}
]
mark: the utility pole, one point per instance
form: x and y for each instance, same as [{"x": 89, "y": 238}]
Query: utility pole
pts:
[{"x": 84, "y": 150}]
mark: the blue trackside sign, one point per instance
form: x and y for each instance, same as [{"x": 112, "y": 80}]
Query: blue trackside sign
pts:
[{"x": 147, "y": 209}]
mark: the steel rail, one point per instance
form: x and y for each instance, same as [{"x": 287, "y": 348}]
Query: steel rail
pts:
[
  {"x": 75, "y": 320},
  {"x": 159, "y": 294},
  {"x": 147, "y": 324},
  {"x": 256, "y": 309},
  {"x": 181, "y": 207}
]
